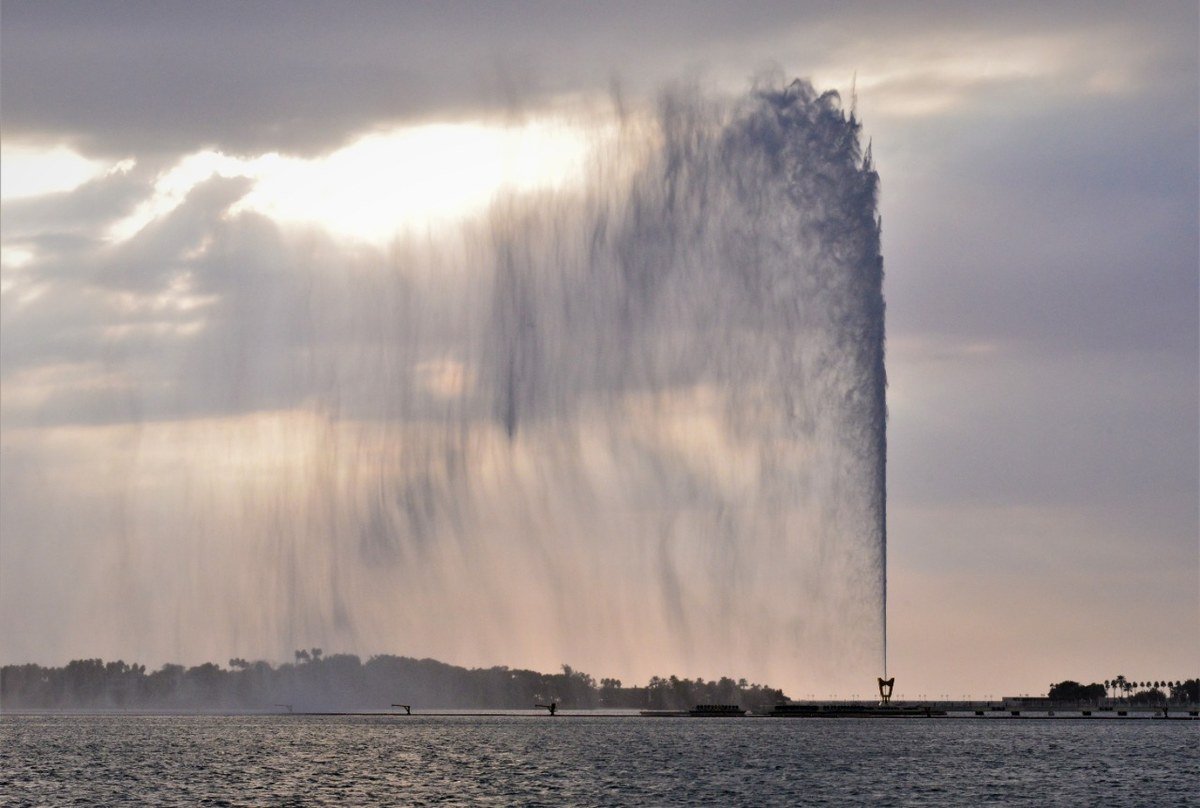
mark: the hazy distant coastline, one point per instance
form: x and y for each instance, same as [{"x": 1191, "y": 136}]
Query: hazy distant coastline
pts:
[{"x": 345, "y": 682}]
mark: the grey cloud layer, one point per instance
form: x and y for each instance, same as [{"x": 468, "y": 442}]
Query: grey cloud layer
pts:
[{"x": 302, "y": 76}]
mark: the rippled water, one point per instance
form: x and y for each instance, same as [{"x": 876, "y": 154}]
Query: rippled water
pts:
[{"x": 509, "y": 760}]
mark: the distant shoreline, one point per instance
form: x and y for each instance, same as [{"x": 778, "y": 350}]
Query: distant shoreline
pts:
[
  {"x": 1004, "y": 709},
  {"x": 344, "y": 683}
]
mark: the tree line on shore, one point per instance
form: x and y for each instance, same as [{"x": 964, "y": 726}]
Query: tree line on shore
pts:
[
  {"x": 1157, "y": 692},
  {"x": 344, "y": 682}
]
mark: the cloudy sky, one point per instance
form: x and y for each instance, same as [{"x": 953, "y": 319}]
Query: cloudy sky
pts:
[{"x": 1040, "y": 201}]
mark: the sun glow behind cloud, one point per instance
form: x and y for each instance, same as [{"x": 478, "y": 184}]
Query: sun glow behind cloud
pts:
[
  {"x": 29, "y": 170},
  {"x": 402, "y": 181}
]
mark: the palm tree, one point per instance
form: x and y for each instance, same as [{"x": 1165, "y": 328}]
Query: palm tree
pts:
[{"x": 1119, "y": 684}]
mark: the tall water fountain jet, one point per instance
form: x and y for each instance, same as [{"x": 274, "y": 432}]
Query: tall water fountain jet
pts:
[
  {"x": 726, "y": 317},
  {"x": 638, "y": 427}
]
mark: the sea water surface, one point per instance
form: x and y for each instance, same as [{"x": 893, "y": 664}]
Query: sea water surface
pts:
[{"x": 596, "y": 760}]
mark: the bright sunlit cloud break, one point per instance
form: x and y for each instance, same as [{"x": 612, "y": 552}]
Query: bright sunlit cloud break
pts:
[
  {"x": 28, "y": 170},
  {"x": 383, "y": 184}
]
